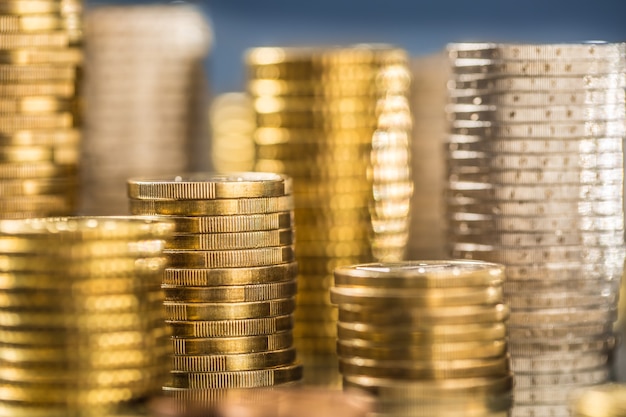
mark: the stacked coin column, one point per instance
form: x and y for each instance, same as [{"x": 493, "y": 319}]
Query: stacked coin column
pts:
[
  {"x": 82, "y": 331},
  {"x": 337, "y": 120},
  {"x": 426, "y": 338},
  {"x": 141, "y": 78},
  {"x": 38, "y": 137},
  {"x": 231, "y": 282},
  {"x": 535, "y": 182}
]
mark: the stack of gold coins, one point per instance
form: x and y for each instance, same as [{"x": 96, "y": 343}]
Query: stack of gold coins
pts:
[
  {"x": 143, "y": 80},
  {"x": 604, "y": 400},
  {"x": 230, "y": 286},
  {"x": 426, "y": 338},
  {"x": 337, "y": 121},
  {"x": 535, "y": 169},
  {"x": 82, "y": 329},
  {"x": 38, "y": 137},
  {"x": 232, "y": 123},
  {"x": 428, "y": 101}
]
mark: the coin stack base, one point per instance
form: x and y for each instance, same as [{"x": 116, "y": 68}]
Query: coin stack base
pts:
[{"x": 231, "y": 285}]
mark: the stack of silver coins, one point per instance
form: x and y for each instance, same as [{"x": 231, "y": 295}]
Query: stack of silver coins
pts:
[
  {"x": 425, "y": 338},
  {"x": 143, "y": 77},
  {"x": 231, "y": 284},
  {"x": 535, "y": 182},
  {"x": 337, "y": 120},
  {"x": 39, "y": 140},
  {"x": 82, "y": 330}
]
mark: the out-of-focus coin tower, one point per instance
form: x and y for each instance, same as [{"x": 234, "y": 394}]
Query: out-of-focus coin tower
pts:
[
  {"x": 231, "y": 284},
  {"x": 82, "y": 329},
  {"x": 39, "y": 140},
  {"x": 144, "y": 81},
  {"x": 604, "y": 400},
  {"x": 425, "y": 338},
  {"x": 427, "y": 238},
  {"x": 535, "y": 166},
  {"x": 337, "y": 121}
]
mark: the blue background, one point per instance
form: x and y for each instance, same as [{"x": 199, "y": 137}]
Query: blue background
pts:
[{"x": 420, "y": 26}]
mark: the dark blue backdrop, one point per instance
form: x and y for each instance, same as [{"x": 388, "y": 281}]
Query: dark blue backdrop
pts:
[{"x": 421, "y": 26}]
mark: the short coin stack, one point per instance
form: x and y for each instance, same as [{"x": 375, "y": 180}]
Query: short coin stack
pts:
[
  {"x": 535, "y": 169},
  {"x": 604, "y": 400},
  {"x": 426, "y": 338},
  {"x": 143, "y": 79},
  {"x": 231, "y": 285},
  {"x": 39, "y": 143},
  {"x": 82, "y": 329},
  {"x": 337, "y": 121}
]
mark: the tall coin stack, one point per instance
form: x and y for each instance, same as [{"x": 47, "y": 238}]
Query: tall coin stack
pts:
[
  {"x": 143, "y": 73},
  {"x": 231, "y": 283},
  {"x": 82, "y": 330},
  {"x": 337, "y": 121},
  {"x": 39, "y": 143},
  {"x": 426, "y": 338},
  {"x": 535, "y": 182}
]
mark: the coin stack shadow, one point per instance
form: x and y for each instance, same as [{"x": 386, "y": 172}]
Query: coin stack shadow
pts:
[
  {"x": 535, "y": 166},
  {"x": 82, "y": 329},
  {"x": 144, "y": 80},
  {"x": 425, "y": 338},
  {"x": 39, "y": 140},
  {"x": 231, "y": 282},
  {"x": 337, "y": 121}
]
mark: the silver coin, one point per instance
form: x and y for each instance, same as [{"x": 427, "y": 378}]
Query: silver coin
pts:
[
  {"x": 557, "y": 394},
  {"x": 508, "y": 145},
  {"x": 468, "y": 222},
  {"x": 490, "y": 236},
  {"x": 543, "y": 98},
  {"x": 541, "y": 177},
  {"x": 528, "y": 131},
  {"x": 561, "y": 332},
  {"x": 508, "y": 84},
  {"x": 509, "y": 51},
  {"x": 554, "y": 161},
  {"x": 593, "y": 376},
  {"x": 561, "y": 316},
  {"x": 547, "y": 67},
  {"x": 563, "y": 271},
  {"x": 560, "y": 192},
  {"x": 520, "y": 208},
  {"x": 558, "y": 362},
  {"x": 503, "y": 114},
  {"x": 540, "y": 410}
]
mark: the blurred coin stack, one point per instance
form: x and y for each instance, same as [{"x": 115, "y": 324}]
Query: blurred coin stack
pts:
[
  {"x": 425, "y": 338},
  {"x": 605, "y": 400},
  {"x": 143, "y": 76},
  {"x": 82, "y": 329},
  {"x": 232, "y": 122},
  {"x": 337, "y": 121},
  {"x": 39, "y": 143},
  {"x": 535, "y": 182},
  {"x": 231, "y": 282},
  {"x": 428, "y": 101}
]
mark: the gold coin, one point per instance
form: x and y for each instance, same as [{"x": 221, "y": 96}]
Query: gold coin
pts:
[
  {"x": 32, "y": 56},
  {"x": 201, "y": 277},
  {"x": 429, "y": 352},
  {"x": 230, "y": 258},
  {"x": 311, "y": 328},
  {"x": 324, "y": 121},
  {"x": 363, "y": 88},
  {"x": 226, "y": 311},
  {"x": 268, "y": 136},
  {"x": 133, "y": 283},
  {"x": 405, "y": 369},
  {"x": 323, "y": 248},
  {"x": 26, "y": 154},
  {"x": 35, "y": 105},
  {"x": 424, "y": 316},
  {"x": 233, "y": 362},
  {"x": 26, "y": 7},
  {"x": 41, "y": 245},
  {"x": 231, "y": 293},
  {"x": 307, "y": 282},
  {"x": 62, "y": 89},
  {"x": 209, "y": 186},
  {"x": 106, "y": 267},
  {"x": 326, "y": 313},
  {"x": 30, "y": 23},
  {"x": 227, "y": 345},
  {"x": 238, "y": 379},
  {"x": 17, "y": 170},
  {"x": 231, "y": 328},
  {"x": 50, "y": 205},
  {"x": 60, "y": 137},
  {"x": 431, "y": 297},
  {"x": 234, "y": 223},
  {"x": 420, "y": 274},
  {"x": 435, "y": 333},
  {"x": 273, "y": 104},
  {"x": 317, "y": 346},
  {"x": 313, "y": 298},
  {"x": 55, "y": 338},
  {"x": 25, "y": 187},
  {"x": 231, "y": 241},
  {"x": 600, "y": 400},
  {"x": 302, "y": 168},
  {"x": 356, "y": 54},
  {"x": 38, "y": 302},
  {"x": 222, "y": 207},
  {"x": 56, "y": 39}
]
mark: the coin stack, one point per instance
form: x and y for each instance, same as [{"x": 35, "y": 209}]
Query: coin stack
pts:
[
  {"x": 230, "y": 286},
  {"x": 535, "y": 182},
  {"x": 604, "y": 400},
  {"x": 143, "y": 73},
  {"x": 38, "y": 137},
  {"x": 82, "y": 329},
  {"x": 337, "y": 121},
  {"x": 426, "y": 338},
  {"x": 428, "y": 101}
]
